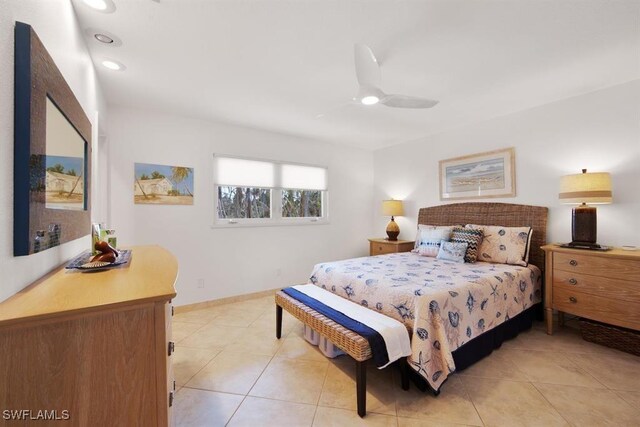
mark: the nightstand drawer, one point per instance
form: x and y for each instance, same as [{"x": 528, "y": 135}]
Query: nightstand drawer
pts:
[
  {"x": 603, "y": 286},
  {"x": 381, "y": 249},
  {"x": 616, "y": 312},
  {"x": 625, "y": 269},
  {"x": 384, "y": 246}
]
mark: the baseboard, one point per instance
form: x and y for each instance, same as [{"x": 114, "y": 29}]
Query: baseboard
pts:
[{"x": 213, "y": 303}]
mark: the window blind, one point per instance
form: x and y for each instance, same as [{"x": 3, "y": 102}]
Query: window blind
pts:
[
  {"x": 244, "y": 173},
  {"x": 235, "y": 172},
  {"x": 303, "y": 177}
]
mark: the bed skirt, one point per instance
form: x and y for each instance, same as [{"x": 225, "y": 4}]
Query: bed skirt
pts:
[{"x": 483, "y": 345}]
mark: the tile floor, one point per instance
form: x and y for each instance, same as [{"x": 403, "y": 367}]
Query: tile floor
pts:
[{"x": 231, "y": 370}]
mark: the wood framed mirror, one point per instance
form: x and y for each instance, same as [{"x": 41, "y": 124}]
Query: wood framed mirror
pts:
[{"x": 52, "y": 152}]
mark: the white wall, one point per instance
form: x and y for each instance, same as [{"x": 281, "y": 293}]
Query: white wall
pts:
[
  {"x": 599, "y": 131},
  {"x": 55, "y": 23},
  {"x": 240, "y": 260}
]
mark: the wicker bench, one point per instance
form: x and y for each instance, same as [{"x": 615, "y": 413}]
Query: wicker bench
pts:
[{"x": 348, "y": 341}]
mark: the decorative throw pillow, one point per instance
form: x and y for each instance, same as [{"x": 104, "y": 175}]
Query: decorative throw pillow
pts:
[
  {"x": 473, "y": 239},
  {"x": 429, "y": 238},
  {"x": 504, "y": 245},
  {"x": 452, "y": 251}
]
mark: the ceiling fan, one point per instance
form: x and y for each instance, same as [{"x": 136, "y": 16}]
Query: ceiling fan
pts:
[{"x": 369, "y": 79}]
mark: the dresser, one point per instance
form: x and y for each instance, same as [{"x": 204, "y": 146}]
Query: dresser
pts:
[
  {"x": 602, "y": 286},
  {"x": 384, "y": 246},
  {"x": 92, "y": 347}
]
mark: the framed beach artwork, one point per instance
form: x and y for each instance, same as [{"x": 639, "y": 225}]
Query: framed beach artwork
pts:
[
  {"x": 162, "y": 185},
  {"x": 479, "y": 176}
]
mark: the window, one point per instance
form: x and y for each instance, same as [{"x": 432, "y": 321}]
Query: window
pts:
[
  {"x": 301, "y": 203},
  {"x": 269, "y": 193},
  {"x": 243, "y": 202}
]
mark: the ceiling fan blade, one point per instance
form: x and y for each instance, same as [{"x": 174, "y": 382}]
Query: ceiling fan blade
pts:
[
  {"x": 367, "y": 67},
  {"x": 405, "y": 101}
]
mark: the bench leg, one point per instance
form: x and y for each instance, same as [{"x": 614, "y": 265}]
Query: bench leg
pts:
[
  {"x": 361, "y": 387},
  {"x": 404, "y": 374},
  {"x": 278, "y": 321}
]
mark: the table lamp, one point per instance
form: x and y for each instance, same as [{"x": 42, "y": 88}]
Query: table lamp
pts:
[
  {"x": 583, "y": 188},
  {"x": 392, "y": 208}
]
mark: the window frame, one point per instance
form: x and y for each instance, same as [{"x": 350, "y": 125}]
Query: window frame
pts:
[{"x": 276, "y": 219}]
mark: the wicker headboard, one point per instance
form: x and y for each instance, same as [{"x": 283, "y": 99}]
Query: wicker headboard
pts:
[{"x": 506, "y": 214}]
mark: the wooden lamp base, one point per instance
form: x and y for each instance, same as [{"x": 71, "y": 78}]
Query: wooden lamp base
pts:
[
  {"x": 393, "y": 230},
  {"x": 584, "y": 227}
]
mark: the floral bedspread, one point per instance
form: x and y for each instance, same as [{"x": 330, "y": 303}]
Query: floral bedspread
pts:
[{"x": 444, "y": 304}]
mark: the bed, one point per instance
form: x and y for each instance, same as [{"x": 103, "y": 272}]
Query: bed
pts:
[{"x": 455, "y": 313}]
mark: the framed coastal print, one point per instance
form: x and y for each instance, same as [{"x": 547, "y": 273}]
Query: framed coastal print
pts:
[
  {"x": 479, "y": 176},
  {"x": 162, "y": 185}
]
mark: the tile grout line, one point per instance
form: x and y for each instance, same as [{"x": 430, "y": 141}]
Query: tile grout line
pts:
[
  {"x": 282, "y": 337},
  {"x": 324, "y": 381},
  {"x": 466, "y": 391},
  {"x": 209, "y": 361},
  {"x": 213, "y": 391},
  {"x": 206, "y": 364},
  {"x": 199, "y": 370},
  {"x": 550, "y": 403},
  {"x": 236, "y": 411},
  {"x": 564, "y": 356},
  {"x": 584, "y": 370},
  {"x": 617, "y": 394}
]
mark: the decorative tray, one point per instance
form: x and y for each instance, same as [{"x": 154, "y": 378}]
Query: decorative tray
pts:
[{"x": 82, "y": 261}]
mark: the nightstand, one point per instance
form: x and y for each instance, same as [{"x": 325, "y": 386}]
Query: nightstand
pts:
[
  {"x": 384, "y": 246},
  {"x": 602, "y": 286}
]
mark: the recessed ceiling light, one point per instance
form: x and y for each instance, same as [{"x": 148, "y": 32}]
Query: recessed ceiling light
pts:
[
  {"x": 103, "y": 38},
  {"x": 370, "y": 100},
  {"x": 103, "y": 6},
  {"x": 96, "y": 4},
  {"x": 112, "y": 65}
]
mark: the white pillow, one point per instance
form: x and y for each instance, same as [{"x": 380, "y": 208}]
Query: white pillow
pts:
[{"x": 429, "y": 238}]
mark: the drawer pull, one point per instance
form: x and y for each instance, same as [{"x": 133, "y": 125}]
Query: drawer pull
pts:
[
  {"x": 172, "y": 347},
  {"x": 573, "y": 262},
  {"x": 573, "y": 281},
  {"x": 573, "y": 299},
  {"x": 171, "y": 396}
]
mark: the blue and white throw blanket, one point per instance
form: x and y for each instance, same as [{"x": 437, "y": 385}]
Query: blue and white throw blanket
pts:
[
  {"x": 387, "y": 337},
  {"x": 444, "y": 304}
]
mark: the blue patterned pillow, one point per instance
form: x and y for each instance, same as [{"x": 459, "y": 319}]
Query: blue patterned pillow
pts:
[
  {"x": 429, "y": 238},
  {"x": 452, "y": 251}
]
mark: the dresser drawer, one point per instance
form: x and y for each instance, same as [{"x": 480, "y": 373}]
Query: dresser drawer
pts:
[
  {"x": 616, "y": 268},
  {"x": 381, "y": 249},
  {"x": 623, "y": 290},
  {"x": 608, "y": 310}
]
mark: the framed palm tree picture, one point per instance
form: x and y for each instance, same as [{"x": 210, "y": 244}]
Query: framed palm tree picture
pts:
[{"x": 162, "y": 185}]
